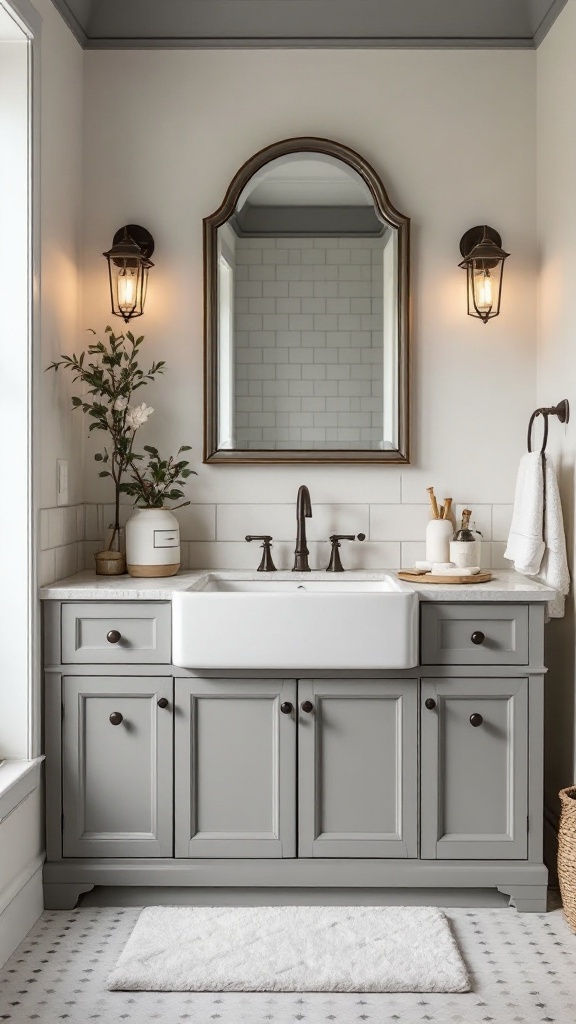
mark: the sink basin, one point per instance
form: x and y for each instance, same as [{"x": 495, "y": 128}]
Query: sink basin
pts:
[{"x": 229, "y": 623}]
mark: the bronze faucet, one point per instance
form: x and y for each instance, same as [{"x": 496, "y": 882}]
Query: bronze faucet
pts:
[{"x": 303, "y": 511}]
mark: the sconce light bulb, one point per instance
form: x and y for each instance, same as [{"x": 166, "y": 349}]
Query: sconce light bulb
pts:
[
  {"x": 127, "y": 281},
  {"x": 483, "y": 289}
]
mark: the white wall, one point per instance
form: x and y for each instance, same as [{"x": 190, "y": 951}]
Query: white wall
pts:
[
  {"x": 556, "y": 79},
  {"x": 164, "y": 134},
  {"x": 62, "y": 435}
]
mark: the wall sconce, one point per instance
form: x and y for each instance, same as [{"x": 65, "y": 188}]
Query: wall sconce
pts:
[
  {"x": 483, "y": 262},
  {"x": 128, "y": 265}
]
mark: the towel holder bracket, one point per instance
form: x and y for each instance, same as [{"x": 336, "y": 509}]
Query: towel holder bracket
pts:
[{"x": 562, "y": 411}]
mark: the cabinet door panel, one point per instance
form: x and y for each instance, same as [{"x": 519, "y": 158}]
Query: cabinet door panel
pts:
[
  {"x": 117, "y": 779},
  {"x": 235, "y": 768},
  {"x": 474, "y": 779},
  {"x": 358, "y": 768}
]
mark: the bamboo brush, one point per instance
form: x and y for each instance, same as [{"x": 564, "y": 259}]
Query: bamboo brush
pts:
[{"x": 433, "y": 503}]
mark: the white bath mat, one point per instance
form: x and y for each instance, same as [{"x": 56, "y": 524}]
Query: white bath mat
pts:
[{"x": 291, "y": 949}]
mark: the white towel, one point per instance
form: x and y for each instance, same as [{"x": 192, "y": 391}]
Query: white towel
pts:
[{"x": 532, "y": 555}]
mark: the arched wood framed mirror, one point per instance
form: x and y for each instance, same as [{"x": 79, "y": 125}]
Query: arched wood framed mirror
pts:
[{"x": 306, "y": 277}]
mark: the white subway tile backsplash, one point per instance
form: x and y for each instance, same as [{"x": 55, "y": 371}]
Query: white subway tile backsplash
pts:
[
  {"x": 291, "y": 272},
  {"x": 47, "y": 567},
  {"x": 317, "y": 305},
  {"x": 313, "y": 256},
  {"x": 277, "y": 288},
  {"x": 495, "y": 555},
  {"x": 294, "y": 305},
  {"x": 501, "y": 520},
  {"x": 290, "y": 372},
  {"x": 371, "y": 555},
  {"x": 44, "y": 534},
  {"x": 412, "y": 552},
  {"x": 55, "y": 527},
  {"x": 301, "y": 289},
  {"x": 314, "y": 371},
  {"x": 261, "y": 274},
  {"x": 258, "y": 305},
  {"x": 326, "y": 289},
  {"x": 399, "y": 522},
  {"x": 66, "y": 560},
  {"x": 301, "y": 355}
]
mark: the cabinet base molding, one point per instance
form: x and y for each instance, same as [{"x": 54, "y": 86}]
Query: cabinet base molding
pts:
[
  {"x": 524, "y": 883},
  {"x": 64, "y": 895},
  {"x": 526, "y": 898}
]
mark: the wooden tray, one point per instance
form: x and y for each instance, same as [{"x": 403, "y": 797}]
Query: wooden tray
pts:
[{"x": 428, "y": 577}]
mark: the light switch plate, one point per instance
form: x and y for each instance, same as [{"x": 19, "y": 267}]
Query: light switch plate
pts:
[{"x": 62, "y": 482}]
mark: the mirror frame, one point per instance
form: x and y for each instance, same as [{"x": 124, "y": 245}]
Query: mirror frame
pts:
[{"x": 215, "y": 455}]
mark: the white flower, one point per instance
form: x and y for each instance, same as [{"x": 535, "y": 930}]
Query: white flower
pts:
[
  {"x": 137, "y": 415},
  {"x": 120, "y": 404}
]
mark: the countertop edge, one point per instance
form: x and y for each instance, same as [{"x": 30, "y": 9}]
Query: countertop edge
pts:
[{"x": 506, "y": 585}]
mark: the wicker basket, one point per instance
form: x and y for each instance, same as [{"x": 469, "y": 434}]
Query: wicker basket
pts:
[{"x": 567, "y": 854}]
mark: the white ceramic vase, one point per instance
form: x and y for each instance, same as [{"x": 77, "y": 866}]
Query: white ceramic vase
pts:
[
  {"x": 152, "y": 543},
  {"x": 439, "y": 533}
]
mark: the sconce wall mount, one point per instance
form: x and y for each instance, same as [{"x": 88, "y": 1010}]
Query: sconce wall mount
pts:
[
  {"x": 128, "y": 265},
  {"x": 483, "y": 262}
]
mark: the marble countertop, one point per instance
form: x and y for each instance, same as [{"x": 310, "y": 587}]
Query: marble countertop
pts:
[{"x": 87, "y": 586}]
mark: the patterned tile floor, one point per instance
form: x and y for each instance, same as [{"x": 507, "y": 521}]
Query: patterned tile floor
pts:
[{"x": 523, "y": 968}]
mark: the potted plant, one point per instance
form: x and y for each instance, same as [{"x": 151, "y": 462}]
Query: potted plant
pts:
[
  {"x": 110, "y": 373},
  {"x": 152, "y": 532}
]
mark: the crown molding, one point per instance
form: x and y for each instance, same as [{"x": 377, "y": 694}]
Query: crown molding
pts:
[{"x": 324, "y": 24}]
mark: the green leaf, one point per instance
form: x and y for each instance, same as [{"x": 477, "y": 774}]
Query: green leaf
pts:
[
  {"x": 98, "y": 457},
  {"x": 104, "y": 473}
]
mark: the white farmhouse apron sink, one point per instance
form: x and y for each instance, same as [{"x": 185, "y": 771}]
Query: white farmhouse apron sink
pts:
[{"x": 223, "y": 622}]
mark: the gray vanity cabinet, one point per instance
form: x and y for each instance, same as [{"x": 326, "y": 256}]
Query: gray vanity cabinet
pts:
[
  {"x": 357, "y": 768},
  {"x": 474, "y": 789},
  {"x": 235, "y": 768},
  {"x": 417, "y": 778},
  {"x": 117, "y": 766}
]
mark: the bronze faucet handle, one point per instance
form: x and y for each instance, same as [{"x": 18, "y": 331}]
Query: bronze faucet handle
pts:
[
  {"x": 335, "y": 563},
  {"x": 266, "y": 563}
]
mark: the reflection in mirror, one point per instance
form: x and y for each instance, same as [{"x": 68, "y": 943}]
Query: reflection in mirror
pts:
[{"x": 306, "y": 347}]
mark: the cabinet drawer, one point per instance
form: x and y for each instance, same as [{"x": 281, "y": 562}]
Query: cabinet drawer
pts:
[
  {"x": 500, "y": 634},
  {"x": 90, "y": 633}
]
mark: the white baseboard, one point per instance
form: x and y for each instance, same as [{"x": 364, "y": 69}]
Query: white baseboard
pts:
[{"x": 21, "y": 912}]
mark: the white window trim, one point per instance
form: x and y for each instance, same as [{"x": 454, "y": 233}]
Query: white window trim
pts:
[
  {"x": 17, "y": 780},
  {"x": 30, "y": 22}
]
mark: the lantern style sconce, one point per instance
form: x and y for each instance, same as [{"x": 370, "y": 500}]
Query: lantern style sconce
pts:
[
  {"x": 483, "y": 262},
  {"x": 128, "y": 265}
]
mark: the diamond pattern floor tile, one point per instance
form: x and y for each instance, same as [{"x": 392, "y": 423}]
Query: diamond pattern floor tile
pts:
[{"x": 523, "y": 968}]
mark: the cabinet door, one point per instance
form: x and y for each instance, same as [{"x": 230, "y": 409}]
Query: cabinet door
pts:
[
  {"x": 117, "y": 779},
  {"x": 474, "y": 776},
  {"x": 357, "y": 751},
  {"x": 235, "y": 768}
]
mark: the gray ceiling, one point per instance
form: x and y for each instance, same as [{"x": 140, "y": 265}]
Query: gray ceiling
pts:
[{"x": 106, "y": 24}]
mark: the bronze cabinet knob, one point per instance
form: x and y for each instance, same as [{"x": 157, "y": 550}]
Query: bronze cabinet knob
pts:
[
  {"x": 116, "y": 718},
  {"x": 307, "y": 706},
  {"x": 286, "y": 708},
  {"x": 477, "y": 637},
  {"x": 163, "y": 702},
  {"x": 430, "y": 703},
  {"x": 476, "y": 719},
  {"x": 113, "y": 637}
]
